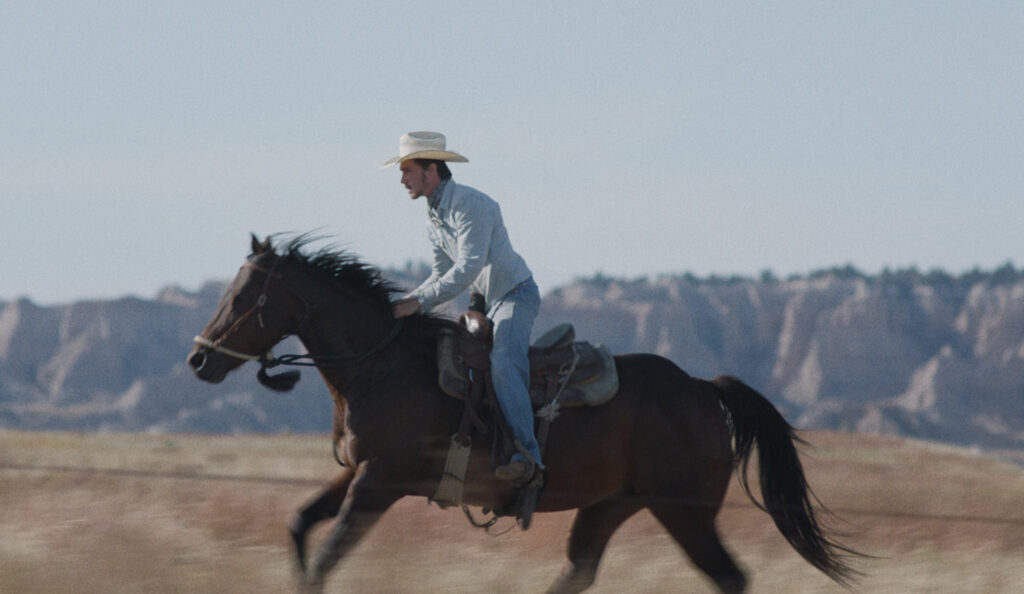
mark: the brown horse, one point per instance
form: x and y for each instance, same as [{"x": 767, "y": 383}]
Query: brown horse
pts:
[{"x": 664, "y": 443}]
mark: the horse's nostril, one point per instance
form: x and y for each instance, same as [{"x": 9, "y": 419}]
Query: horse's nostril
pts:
[{"x": 197, "y": 360}]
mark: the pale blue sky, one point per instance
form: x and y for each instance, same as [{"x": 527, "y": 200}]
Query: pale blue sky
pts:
[{"x": 140, "y": 142}]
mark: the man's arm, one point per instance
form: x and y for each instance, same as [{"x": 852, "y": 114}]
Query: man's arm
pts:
[
  {"x": 474, "y": 224},
  {"x": 405, "y": 307}
]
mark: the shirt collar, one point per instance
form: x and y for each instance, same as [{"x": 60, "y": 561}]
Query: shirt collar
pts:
[{"x": 435, "y": 197}]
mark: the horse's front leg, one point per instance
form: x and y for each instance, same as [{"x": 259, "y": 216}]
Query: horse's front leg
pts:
[
  {"x": 367, "y": 499},
  {"x": 325, "y": 505}
]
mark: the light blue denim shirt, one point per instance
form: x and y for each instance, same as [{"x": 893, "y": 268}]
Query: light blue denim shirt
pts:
[{"x": 471, "y": 249}]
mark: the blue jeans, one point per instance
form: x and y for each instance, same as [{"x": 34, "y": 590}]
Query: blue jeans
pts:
[{"x": 513, "y": 319}]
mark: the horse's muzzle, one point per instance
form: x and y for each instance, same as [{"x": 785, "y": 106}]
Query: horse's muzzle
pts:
[{"x": 205, "y": 365}]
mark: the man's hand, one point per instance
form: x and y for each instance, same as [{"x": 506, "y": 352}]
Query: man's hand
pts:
[{"x": 405, "y": 307}]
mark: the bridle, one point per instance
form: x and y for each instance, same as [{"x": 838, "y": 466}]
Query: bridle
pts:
[
  {"x": 217, "y": 346},
  {"x": 267, "y": 359}
]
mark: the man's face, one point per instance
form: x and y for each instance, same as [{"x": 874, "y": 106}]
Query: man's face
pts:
[{"x": 419, "y": 181}]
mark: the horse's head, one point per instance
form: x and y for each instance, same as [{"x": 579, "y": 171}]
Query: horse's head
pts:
[{"x": 256, "y": 312}]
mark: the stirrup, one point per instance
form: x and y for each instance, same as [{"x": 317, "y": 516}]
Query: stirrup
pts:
[{"x": 527, "y": 475}]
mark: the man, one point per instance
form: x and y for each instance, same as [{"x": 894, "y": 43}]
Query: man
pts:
[{"x": 472, "y": 250}]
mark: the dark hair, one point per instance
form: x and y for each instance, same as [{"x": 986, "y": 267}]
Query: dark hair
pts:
[{"x": 442, "y": 168}]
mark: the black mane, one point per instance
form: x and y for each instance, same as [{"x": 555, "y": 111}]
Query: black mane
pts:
[{"x": 340, "y": 267}]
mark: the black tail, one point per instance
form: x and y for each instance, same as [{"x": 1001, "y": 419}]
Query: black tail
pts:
[{"x": 784, "y": 489}]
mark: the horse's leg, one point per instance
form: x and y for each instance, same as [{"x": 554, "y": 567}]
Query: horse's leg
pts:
[
  {"x": 323, "y": 506},
  {"x": 694, "y": 529},
  {"x": 591, "y": 530},
  {"x": 366, "y": 501}
]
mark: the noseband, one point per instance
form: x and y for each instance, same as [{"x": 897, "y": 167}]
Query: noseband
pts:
[
  {"x": 217, "y": 348},
  {"x": 267, "y": 360}
]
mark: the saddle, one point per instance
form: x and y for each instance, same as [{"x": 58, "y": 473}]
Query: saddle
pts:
[{"x": 563, "y": 371}]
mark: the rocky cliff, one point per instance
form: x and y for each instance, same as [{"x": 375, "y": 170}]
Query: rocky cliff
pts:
[{"x": 930, "y": 356}]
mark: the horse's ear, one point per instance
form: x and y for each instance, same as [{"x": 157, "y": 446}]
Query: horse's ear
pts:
[{"x": 260, "y": 247}]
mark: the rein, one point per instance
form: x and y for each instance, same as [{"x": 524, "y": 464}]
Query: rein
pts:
[
  {"x": 309, "y": 360},
  {"x": 268, "y": 360}
]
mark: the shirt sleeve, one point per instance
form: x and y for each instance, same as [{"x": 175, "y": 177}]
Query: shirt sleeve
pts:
[
  {"x": 473, "y": 226},
  {"x": 441, "y": 264}
]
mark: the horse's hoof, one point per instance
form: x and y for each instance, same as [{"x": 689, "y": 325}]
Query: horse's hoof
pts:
[{"x": 311, "y": 585}]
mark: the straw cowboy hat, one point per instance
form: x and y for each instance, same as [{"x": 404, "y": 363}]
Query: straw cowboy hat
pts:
[{"x": 424, "y": 145}]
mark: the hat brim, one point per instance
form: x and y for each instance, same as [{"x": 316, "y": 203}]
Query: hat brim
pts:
[{"x": 436, "y": 155}]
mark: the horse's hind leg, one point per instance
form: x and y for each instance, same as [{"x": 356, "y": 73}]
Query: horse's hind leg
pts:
[
  {"x": 591, "y": 530},
  {"x": 325, "y": 505},
  {"x": 694, "y": 530}
]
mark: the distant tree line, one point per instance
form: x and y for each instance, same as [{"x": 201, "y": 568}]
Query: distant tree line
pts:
[{"x": 1007, "y": 274}]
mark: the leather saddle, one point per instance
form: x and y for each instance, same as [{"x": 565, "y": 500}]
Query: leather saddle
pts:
[
  {"x": 575, "y": 373},
  {"x": 563, "y": 373}
]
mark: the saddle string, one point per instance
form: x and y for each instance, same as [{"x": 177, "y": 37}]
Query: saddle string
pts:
[{"x": 549, "y": 412}]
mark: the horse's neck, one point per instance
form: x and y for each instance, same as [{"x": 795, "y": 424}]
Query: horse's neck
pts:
[{"x": 342, "y": 330}]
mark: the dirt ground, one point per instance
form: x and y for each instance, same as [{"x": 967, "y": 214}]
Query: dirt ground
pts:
[{"x": 168, "y": 513}]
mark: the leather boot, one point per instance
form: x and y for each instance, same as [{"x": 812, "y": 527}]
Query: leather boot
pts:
[{"x": 517, "y": 472}]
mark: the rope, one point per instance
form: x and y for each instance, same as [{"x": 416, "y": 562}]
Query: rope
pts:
[{"x": 486, "y": 525}]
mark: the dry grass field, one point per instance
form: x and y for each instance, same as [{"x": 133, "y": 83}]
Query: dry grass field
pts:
[{"x": 91, "y": 513}]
